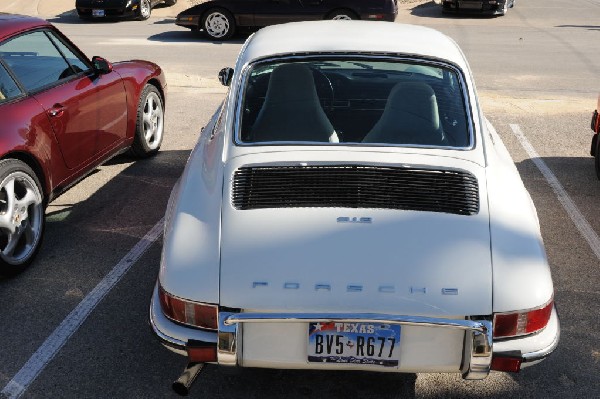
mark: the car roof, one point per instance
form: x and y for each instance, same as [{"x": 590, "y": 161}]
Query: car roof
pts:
[
  {"x": 351, "y": 36},
  {"x": 12, "y": 23}
]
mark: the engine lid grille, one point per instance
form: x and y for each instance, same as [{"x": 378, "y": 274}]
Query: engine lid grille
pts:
[{"x": 356, "y": 186}]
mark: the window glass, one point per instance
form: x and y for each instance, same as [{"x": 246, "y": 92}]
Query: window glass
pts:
[
  {"x": 34, "y": 60},
  {"x": 8, "y": 87},
  {"x": 76, "y": 62},
  {"x": 360, "y": 101}
]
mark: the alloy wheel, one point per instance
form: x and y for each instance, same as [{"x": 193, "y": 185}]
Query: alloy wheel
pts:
[
  {"x": 145, "y": 9},
  {"x": 217, "y": 25},
  {"x": 153, "y": 118},
  {"x": 21, "y": 217}
]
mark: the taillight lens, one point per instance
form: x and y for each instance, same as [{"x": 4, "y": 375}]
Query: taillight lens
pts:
[
  {"x": 193, "y": 314},
  {"x": 522, "y": 323}
]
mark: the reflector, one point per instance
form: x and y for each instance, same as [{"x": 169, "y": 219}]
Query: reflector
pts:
[
  {"x": 202, "y": 354},
  {"x": 508, "y": 364}
]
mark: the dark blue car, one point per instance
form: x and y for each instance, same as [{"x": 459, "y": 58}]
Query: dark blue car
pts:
[{"x": 218, "y": 19}]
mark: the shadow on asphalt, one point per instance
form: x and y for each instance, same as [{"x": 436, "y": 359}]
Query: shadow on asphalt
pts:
[
  {"x": 165, "y": 21},
  {"x": 70, "y": 17},
  {"x": 195, "y": 37},
  {"x": 588, "y": 27},
  {"x": 214, "y": 382},
  {"x": 433, "y": 10}
]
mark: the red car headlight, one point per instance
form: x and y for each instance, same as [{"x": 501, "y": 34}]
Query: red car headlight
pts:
[
  {"x": 522, "y": 323},
  {"x": 194, "y": 314}
]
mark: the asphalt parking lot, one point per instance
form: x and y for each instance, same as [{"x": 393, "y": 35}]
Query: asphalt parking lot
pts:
[{"x": 538, "y": 73}]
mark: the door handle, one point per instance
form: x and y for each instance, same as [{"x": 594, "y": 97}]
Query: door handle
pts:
[{"x": 56, "y": 110}]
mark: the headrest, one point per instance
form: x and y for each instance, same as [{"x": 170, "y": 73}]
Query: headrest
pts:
[
  {"x": 291, "y": 82},
  {"x": 415, "y": 98}
]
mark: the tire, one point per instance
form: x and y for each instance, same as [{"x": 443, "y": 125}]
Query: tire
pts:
[
  {"x": 342, "y": 14},
  {"x": 150, "y": 123},
  {"x": 145, "y": 10},
  {"x": 170, "y": 2},
  {"x": 21, "y": 216},
  {"x": 597, "y": 159},
  {"x": 218, "y": 24}
]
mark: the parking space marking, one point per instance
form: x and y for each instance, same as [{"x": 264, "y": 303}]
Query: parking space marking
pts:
[
  {"x": 146, "y": 42},
  {"x": 574, "y": 213},
  {"x": 46, "y": 352}
]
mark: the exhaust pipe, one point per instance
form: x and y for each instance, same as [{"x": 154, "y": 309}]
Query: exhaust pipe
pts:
[{"x": 184, "y": 383}]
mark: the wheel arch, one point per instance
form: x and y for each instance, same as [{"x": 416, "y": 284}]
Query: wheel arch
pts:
[
  {"x": 35, "y": 165},
  {"x": 338, "y": 9},
  {"x": 156, "y": 83}
]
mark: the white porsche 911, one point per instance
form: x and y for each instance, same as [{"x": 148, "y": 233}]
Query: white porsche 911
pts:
[{"x": 349, "y": 207}]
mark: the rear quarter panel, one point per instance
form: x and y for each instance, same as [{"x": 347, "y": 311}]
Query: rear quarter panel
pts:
[
  {"x": 521, "y": 274},
  {"x": 191, "y": 250}
]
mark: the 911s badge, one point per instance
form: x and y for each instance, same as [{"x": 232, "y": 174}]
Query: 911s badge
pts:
[{"x": 347, "y": 219}]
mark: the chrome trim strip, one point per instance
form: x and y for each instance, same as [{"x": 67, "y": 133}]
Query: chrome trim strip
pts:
[
  {"x": 241, "y": 89},
  {"x": 235, "y": 318},
  {"x": 478, "y": 337}
]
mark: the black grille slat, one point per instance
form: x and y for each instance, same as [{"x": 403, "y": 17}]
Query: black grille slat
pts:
[{"x": 356, "y": 186}]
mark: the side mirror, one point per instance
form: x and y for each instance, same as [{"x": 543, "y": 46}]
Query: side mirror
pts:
[
  {"x": 101, "y": 65},
  {"x": 225, "y": 76}
]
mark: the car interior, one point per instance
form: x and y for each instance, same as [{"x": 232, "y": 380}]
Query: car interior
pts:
[
  {"x": 359, "y": 101},
  {"x": 40, "y": 59}
]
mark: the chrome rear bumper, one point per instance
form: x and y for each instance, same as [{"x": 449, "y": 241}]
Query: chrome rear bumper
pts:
[{"x": 477, "y": 358}]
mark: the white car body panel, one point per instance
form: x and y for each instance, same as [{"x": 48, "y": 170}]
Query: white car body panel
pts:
[{"x": 400, "y": 250}]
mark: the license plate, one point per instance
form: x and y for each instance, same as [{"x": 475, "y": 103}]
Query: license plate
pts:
[
  {"x": 470, "y": 5},
  {"x": 97, "y": 13},
  {"x": 354, "y": 343}
]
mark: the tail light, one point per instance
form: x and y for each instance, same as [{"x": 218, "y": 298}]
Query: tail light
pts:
[
  {"x": 193, "y": 314},
  {"x": 522, "y": 323}
]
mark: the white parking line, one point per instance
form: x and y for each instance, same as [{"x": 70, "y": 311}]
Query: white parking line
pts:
[
  {"x": 46, "y": 352},
  {"x": 574, "y": 213},
  {"x": 145, "y": 42}
]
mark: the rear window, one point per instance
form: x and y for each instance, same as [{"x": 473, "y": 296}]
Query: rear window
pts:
[{"x": 353, "y": 101}]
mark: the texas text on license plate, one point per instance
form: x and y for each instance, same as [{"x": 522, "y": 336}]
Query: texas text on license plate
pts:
[
  {"x": 97, "y": 13},
  {"x": 354, "y": 343}
]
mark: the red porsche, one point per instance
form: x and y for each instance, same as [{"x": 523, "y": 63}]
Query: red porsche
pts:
[{"x": 62, "y": 115}]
